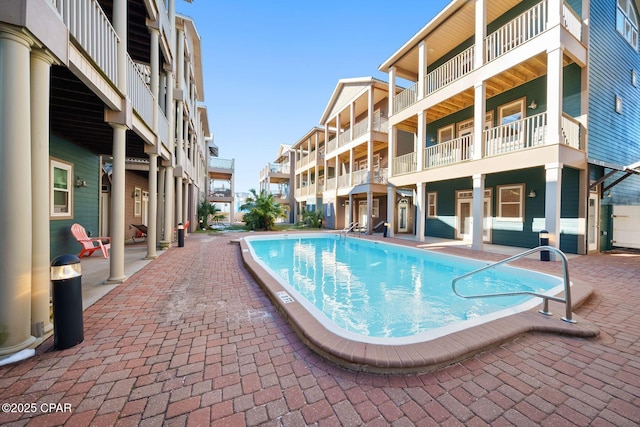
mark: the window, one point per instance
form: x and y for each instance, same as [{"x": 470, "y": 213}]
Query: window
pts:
[
  {"x": 445, "y": 134},
  {"x": 137, "y": 202},
  {"x": 618, "y": 105},
  {"x": 510, "y": 202},
  {"x": 60, "y": 192},
  {"x": 627, "y": 22},
  {"x": 634, "y": 78},
  {"x": 375, "y": 208},
  {"x": 432, "y": 205}
]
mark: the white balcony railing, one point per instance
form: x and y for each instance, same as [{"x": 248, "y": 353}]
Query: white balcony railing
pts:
[
  {"x": 572, "y": 21},
  {"x": 91, "y": 28},
  {"x": 139, "y": 93},
  {"x": 515, "y": 136},
  {"x": 360, "y": 128},
  {"x": 331, "y": 184},
  {"x": 361, "y": 177},
  {"x": 332, "y": 144},
  {"x": 516, "y": 32},
  {"x": 344, "y": 180},
  {"x": 344, "y": 138},
  {"x": 405, "y": 98},
  {"x": 218, "y": 163},
  {"x": 571, "y": 132},
  {"x": 405, "y": 164},
  {"x": 381, "y": 124},
  {"x": 450, "y": 71},
  {"x": 450, "y": 152},
  {"x": 380, "y": 176}
]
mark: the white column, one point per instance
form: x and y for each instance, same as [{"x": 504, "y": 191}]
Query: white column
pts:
[
  {"x": 169, "y": 184},
  {"x": 479, "y": 114},
  {"x": 116, "y": 257},
  {"x": 421, "y": 210},
  {"x": 15, "y": 193},
  {"x": 554, "y": 96},
  {"x": 161, "y": 207},
  {"x": 420, "y": 140},
  {"x": 40, "y": 251},
  {"x": 392, "y": 89},
  {"x": 480, "y": 32},
  {"x": 477, "y": 241},
  {"x": 352, "y": 119},
  {"x": 391, "y": 209},
  {"x": 153, "y": 206},
  {"x": 179, "y": 129},
  {"x": 553, "y": 192},
  {"x": 422, "y": 68}
]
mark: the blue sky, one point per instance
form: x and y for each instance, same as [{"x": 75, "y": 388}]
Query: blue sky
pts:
[{"x": 270, "y": 67}]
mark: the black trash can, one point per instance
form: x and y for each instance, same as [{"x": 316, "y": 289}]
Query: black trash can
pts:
[
  {"x": 66, "y": 287},
  {"x": 385, "y": 229},
  {"x": 180, "y": 235},
  {"x": 544, "y": 241}
]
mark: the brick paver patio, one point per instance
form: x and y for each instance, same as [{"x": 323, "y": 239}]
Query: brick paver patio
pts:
[{"x": 191, "y": 340}]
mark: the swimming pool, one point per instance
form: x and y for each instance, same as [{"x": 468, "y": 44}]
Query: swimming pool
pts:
[{"x": 381, "y": 293}]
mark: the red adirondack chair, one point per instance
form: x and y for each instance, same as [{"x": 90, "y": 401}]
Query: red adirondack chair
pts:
[{"x": 90, "y": 244}]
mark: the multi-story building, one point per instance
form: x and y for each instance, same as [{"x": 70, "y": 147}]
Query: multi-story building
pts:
[
  {"x": 308, "y": 181},
  {"x": 523, "y": 116},
  {"x": 356, "y": 154},
  {"x": 220, "y": 183},
  {"x": 276, "y": 178},
  {"x": 100, "y": 124}
]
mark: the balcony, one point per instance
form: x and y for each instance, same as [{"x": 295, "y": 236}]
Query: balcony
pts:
[
  {"x": 516, "y": 136},
  {"x": 510, "y": 36},
  {"x": 218, "y": 163}
]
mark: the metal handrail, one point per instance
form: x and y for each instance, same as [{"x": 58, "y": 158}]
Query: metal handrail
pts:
[{"x": 545, "y": 310}]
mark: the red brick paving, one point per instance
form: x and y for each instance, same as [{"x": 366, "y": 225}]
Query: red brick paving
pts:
[{"x": 191, "y": 340}]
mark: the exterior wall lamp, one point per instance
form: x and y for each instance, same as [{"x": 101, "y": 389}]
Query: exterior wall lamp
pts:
[{"x": 80, "y": 182}]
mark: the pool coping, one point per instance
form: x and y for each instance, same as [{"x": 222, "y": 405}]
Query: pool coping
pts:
[{"x": 422, "y": 356}]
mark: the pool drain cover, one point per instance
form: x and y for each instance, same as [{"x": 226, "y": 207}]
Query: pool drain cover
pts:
[{"x": 284, "y": 297}]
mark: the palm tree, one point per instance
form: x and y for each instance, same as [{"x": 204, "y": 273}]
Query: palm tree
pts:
[
  {"x": 263, "y": 211},
  {"x": 206, "y": 210}
]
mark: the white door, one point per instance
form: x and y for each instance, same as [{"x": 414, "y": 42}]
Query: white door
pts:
[
  {"x": 592, "y": 222},
  {"x": 403, "y": 216},
  {"x": 464, "y": 223},
  {"x": 362, "y": 213},
  {"x": 145, "y": 207}
]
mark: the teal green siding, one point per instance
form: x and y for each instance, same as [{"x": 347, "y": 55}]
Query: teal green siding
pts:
[
  {"x": 444, "y": 226},
  {"x": 613, "y": 138},
  {"x": 569, "y": 210},
  {"x": 86, "y": 200}
]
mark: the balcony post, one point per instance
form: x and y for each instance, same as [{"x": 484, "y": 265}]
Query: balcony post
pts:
[
  {"x": 352, "y": 119},
  {"x": 371, "y": 106},
  {"x": 554, "y": 96},
  {"x": 479, "y": 118},
  {"x": 480, "y": 32},
  {"x": 477, "y": 241},
  {"x": 422, "y": 69},
  {"x": 420, "y": 210},
  {"x": 553, "y": 191},
  {"x": 153, "y": 206},
  {"x": 420, "y": 141},
  {"x": 392, "y": 91}
]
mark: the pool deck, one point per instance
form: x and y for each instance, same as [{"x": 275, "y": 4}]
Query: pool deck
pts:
[{"x": 191, "y": 339}]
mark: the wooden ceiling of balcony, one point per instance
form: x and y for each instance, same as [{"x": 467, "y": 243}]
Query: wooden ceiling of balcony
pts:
[{"x": 522, "y": 73}]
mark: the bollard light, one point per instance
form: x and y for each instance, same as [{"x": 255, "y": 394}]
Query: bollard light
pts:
[
  {"x": 66, "y": 292},
  {"x": 180, "y": 235},
  {"x": 544, "y": 241}
]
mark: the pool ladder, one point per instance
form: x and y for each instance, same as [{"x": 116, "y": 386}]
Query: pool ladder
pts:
[{"x": 545, "y": 308}]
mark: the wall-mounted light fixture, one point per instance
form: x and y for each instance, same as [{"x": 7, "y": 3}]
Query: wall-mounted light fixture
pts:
[
  {"x": 533, "y": 105},
  {"x": 532, "y": 194},
  {"x": 80, "y": 182},
  {"x": 432, "y": 139}
]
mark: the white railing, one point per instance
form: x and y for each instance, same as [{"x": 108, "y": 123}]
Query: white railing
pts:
[
  {"x": 331, "y": 184},
  {"x": 163, "y": 128},
  {"x": 89, "y": 25},
  {"x": 515, "y": 136},
  {"x": 450, "y": 71},
  {"x": 361, "y": 177},
  {"x": 381, "y": 124},
  {"x": 571, "y": 132},
  {"x": 344, "y": 138},
  {"x": 450, "y": 152},
  {"x": 572, "y": 21},
  {"x": 360, "y": 128},
  {"x": 279, "y": 167},
  {"x": 218, "y": 163},
  {"x": 404, "y": 164},
  {"x": 405, "y": 98},
  {"x": 344, "y": 180},
  {"x": 516, "y": 32},
  {"x": 332, "y": 144},
  {"x": 380, "y": 176},
  {"x": 139, "y": 93}
]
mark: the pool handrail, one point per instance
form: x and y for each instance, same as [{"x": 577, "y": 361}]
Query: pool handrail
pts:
[{"x": 545, "y": 309}]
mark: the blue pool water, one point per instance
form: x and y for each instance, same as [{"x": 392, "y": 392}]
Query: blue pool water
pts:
[{"x": 363, "y": 288}]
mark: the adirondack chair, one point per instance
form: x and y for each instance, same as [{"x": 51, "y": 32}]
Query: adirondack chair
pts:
[{"x": 90, "y": 244}]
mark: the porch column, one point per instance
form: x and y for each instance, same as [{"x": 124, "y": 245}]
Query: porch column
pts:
[
  {"x": 15, "y": 193},
  {"x": 179, "y": 97},
  {"x": 420, "y": 140},
  {"x": 162, "y": 201},
  {"x": 169, "y": 200},
  {"x": 421, "y": 210},
  {"x": 477, "y": 241},
  {"x": 479, "y": 117},
  {"x": 40, "y": 251},
  {"x": 392, "y": 90},
  {"x": 391, "y": 209},
  {"x": 480, "y": 32},
  {"x": 554, "y": 95},
  {"x": 116, "y": 227},
  {"x": 422, "y": 69},
  {"x": 552, "y": 203},
  {"x": 153, "y": 206},
  {"x": 352, "y": 119}
]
